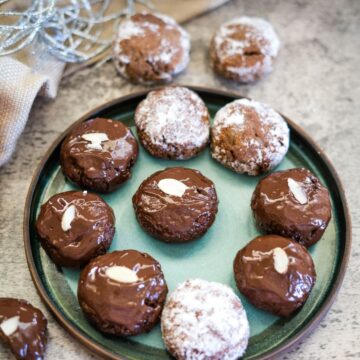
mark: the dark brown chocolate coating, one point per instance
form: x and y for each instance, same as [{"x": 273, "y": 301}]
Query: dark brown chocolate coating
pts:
[
  {"x": 91, "y": 233},
  {"x": 277, "y": 211},
  {"x": 101, "y": 170},
  {"x": 120, "y": 308},
  {"x": 172, "y": 218},
  {"x": 29, "y": 339},
  {"x": 266, "y": 288}
]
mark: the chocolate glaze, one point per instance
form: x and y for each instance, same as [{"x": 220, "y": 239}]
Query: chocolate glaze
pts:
[
  {"x": 276, "y": 210},
  {"x": 266, "y": 288},
  {"x": 91, "y": 233},
  {"x": 173, "y": 218},
  {"x": 123, "y": 308},
  {"x": 99, "y": 170},
  {"x": 28, "y": 341}
]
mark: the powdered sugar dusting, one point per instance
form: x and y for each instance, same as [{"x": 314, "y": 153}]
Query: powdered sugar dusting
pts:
[
  {"x": 128, "y": 29},
  {"x": 271, "y": 147},
  {"x": 227, "y": 116},
  {"x": 229, "y": 43},
  {"x": 173, "y": 115},
  {"x": 165, "y": 53},
  {"x": 257, "y": 30},
  {"x": 204, "y": 320},
  {"x": 249, "y": 73}
]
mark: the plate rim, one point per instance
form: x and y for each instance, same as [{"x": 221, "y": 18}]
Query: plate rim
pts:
[{"x": 99, "y": 350}]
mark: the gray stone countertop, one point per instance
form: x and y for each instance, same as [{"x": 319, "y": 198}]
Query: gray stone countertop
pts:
[{"x": 316, "y": 82}]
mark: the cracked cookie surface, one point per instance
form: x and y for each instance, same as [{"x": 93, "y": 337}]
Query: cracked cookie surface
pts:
[
  {"x": 150, "y": 48},
  {"x": 244, "y": 49}
]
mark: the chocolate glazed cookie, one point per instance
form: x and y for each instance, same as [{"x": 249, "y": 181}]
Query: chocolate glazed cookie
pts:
[
  {"x": 292, "y": 203},
  {"x": 275, "y": 273},
  {"x": 122, "y": 293},
  {"x": 176, "y": 204},
  {"x": 74, "y": 227},
  {"x": 98, "y": 154},
  {"x": 23, "y": 328}
]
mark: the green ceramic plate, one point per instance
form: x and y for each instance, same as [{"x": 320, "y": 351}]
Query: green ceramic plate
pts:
[{"x": 209, "y": 258}]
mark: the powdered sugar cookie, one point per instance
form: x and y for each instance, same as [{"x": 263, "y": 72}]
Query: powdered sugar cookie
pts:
[
  {"x": 249, "y": 137},
  {"x": 173, "y": 123},
  {"x": 204, "y": 320},
  {"x": 244, "y": 49},
  {"x": 151, "y": 48}
]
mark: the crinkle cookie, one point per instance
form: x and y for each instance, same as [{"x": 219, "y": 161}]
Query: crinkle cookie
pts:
[
  {"x": 150, "y": 48},
  {"x": 204, "y": 320},
  {"x": 249, "y": 137},
  {"x": 173, "y": 123},
  {"x": 244, "y": 49}
]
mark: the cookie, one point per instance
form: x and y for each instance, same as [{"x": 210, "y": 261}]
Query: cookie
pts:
[
  {"x": 173, "y": 123},
  {"x": 150, "y": 48},
  {"x": 244, "y": 49},
  {"x": 74, "y": 227},
  {"x": 292, "y": 203},
  {"x": 176, "y": 204},
  {"x": 98, "y": 154},
  {"x": 23, "y": 328},
  {"x": 122, "y": 293},
  {"x": 204, "y": 320},
  {"x": 249, "y": 137},
  {"x": 275, "y": 273}
]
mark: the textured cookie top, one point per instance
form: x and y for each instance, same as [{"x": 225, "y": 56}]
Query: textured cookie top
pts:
[
  {"x": 204, "y": 320},
  {"x": 174, "y": 116},
  {"x": 238, "y": 36},
  {"x": 151, "y": 48},
  {"x": 255, "y": 135},
  {"x": 244, "y": 48}
]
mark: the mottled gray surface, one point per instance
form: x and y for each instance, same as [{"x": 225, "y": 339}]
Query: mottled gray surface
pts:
[{"x": 316, "y": 83}]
